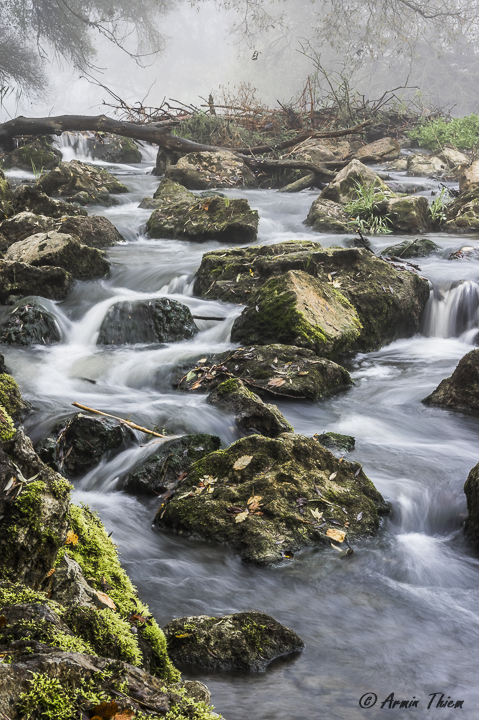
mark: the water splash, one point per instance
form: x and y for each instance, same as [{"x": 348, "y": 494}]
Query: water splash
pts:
[{"x": 453, "y": 312}]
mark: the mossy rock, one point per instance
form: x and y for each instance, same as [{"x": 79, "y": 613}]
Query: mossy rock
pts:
[
  {"x": 471, "y": 489},
  {"x": 463, "y": 212},
  {"x": 29, "y": 198},
  {"x": 251, "y": 414},
  {"x": 82, "y": 183},
  {"x": 270, "y": 371},
  {"x": 389, "y": 301},
  {"x": 29, "y": 324},
  {"x": 36, "y": 156},
  {"x": 268, "y": 498},
  {"x": 421, "y": 247},
  {"x": 247, "y": 641},
  {"x": 344, "y": 186},
  {"x": 19, "y": 280},
  {"x": 336, "y": 441},
  {"x": 161, "y": 471},
  {"x": 94, "y": 231},
  {"x": 159, "y": 320},
  {"x": 407, "y": 214},
  {"x": 6, "y": 194},
  {"x": 298, "y": 309},
  {"x": 326, "y": 216},
  {"x": 114, "y": 149},
  {"x": 11, "y": 398},
  {"x": 461, "y": 390},
  {"x": 23, "y": 225},
  {"x": 204, "y": 170}
]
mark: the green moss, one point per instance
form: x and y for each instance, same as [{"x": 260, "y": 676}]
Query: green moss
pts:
[
  {"x": 44, "y": 632},
  {"x": 30, "y": 501},
  {"x": 10, "y": 396},
  {"x": 15, "y": 594},
  {"x": 60, "y": 487},
  {"x": 183, "y": 707},
  {"x": 7, "y": 428}
]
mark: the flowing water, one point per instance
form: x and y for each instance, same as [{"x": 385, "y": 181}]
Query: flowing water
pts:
[{"x": 401, "y": 615}]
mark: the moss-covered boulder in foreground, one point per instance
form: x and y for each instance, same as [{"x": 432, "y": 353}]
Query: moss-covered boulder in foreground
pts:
[
  {"x": 268, "y": 498},
  {"x": 388, "y": 300},
  {"x": 29, "y": 324},
  {"x": 162, "y": 471},
  {"x": 407, "y": 214},
  {"x": 82, "y": 183},
  {"x": 269, "y": 370},
  {"x": 250, "y": 412},
  {"x": 420, "y": 247},
  {"x": 241, "y": 641},
  {"x": 298, "y": 309},
  {"x": 461, "y": 389}
]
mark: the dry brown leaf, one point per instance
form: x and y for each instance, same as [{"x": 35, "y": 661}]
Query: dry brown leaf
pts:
[
  {"x": 337, "y": 535},
  {"x": 125, "y": 714},
  {"x": 195, "y": 385},
  {"x": 50, "y": 572},
  {"x": 72, "y": 538},
  {"x": 303, "y": 372},
  {"x": 276, "y": 382},
  {"x": 241, "y": 517},
  {"x": 242, "y": 462},
  {"x": 254, "y": 502},
  {"x": 106, "y": 710},
  {"x": 105, "y": 599},
  {"x": 333, "y": 475}
]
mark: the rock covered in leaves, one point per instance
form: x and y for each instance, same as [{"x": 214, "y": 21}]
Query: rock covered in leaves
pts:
[
  {"x": 173, "y": 458},
  {"x": 327, "y": 216},
  {"x": 147, "y": 321},
  {"x": 82, "y": 183},
  {"x": 205, "y": 170},
  {"x": 269, "y": 370},
  {"x": 389, "y": 301},
  {"x": 250, "y": 412},
  {"x": 60, "y": 250},
  {"x": 19, "y": 280},
  {"x": 461, "y": 389},
  {"x": 336, "y": 441},
  {"x": 181, "y": 214},
  {"x": 80, "y": 443},
  {"x": 29, "y": 324},
  {"x": 30, "y": 198},
  {"x": 420, "y": 247},
  {"x": 344, "y": 186},
  {"x": 298, "y": 309},
  {"x": 268, "y": 498},
  {"x": 242, "y": 641}
]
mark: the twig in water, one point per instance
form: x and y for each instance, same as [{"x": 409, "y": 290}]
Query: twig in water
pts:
[{"x": 126, "y": 422}]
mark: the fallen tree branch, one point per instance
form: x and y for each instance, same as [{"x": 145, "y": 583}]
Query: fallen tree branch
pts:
[{"x": 125, "y": 422}]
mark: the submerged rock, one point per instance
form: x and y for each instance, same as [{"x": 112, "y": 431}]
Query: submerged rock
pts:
[
  {"x": 268, "y": 498},
  {"x": 180, "y": 214},
  {"x": 344, "y": 186},
  {"x": 336, "y": 441},
  {"x": 147, "y": 321},
  {"x": 60, "y": 250},
  {"x": 250, "y": 412},
  {"x": 161, "y": 472},
  {"x": 204, "y": 170},
  {"x": 269, "y": 370},
  {"x": 461, "y": 389},
  {"x": 326, "y": 216},
  {"x": 241, "y": 641},
  {"x": 19, "y": 280},
  {"x": 298, "y": 309},
  {"x": 29, "y": 198},
  {"x": 29, "y": 324},
  {"x": 420, "y": 247},
  {"x": 82, "y": 183}
]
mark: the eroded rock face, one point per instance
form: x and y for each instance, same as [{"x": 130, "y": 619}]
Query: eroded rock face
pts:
[
  {"x": 147, "y": 321},
  {"x": 461, "y": 389},
  {"x": 269, "y": 370},
  {"x": 205, "y": 170},
  {"x": 29, "y": 324},
  {"x": 250, "y": 412},
  {"x": 344, "y": 186},
  {"x": 19, "y": 280},
  {"x": 298, "y": 309},
  {"x": 30, "y": 198},
  {"x": 81, "y": 183},
  {"x": 60, "y": 250},
  {"x": 420, "y": 247},
  {"x": 326, "y": 216},
  {"x": 262, "y": 491},
  {"x": 420, "y": 165},
  {"x": 242, "y": 641},
  {"x": 161, "y": 472}
]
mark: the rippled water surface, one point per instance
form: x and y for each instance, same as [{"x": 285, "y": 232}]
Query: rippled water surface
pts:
[{"x": 400, "y": 615}]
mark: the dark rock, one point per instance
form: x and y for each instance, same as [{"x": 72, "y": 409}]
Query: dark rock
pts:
[
  {"x": 60, "y": 250},
  {"x": 35, "y": 156},
  {"x": 30, "y": 198},
  {"x": 19, "y": 280},
  {"x": 3, "y": 367},
  {"x": 250, "y": 412},
  {"x": 147, "y": 321},
  {"x": 326, "y": 216},
  {"x": 336, "y": 441},
  {"x": 241, "y": 641},
  {"x": 114, "y": 149},
  {"x": 173, "y": 458},
  {"x": 94, "y": 230},
  {"x": 461, "y": 389},
  {"x": 421, "y": 247},
  {"x": 204, "y": 170},
  {"x": 268, "y": 370},
  {"x": 263, "y": 489},
  {"x": 29, "y": 324},
  {"x": 82, "y": 183},
  {"x": 471, "y": 489}
]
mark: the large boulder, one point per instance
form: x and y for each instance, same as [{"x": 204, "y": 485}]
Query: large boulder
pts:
[
  {"x": 469, "y": 178},
  {"x": 19, "y": 280},
  {"x": 463, "y": 212},
  {"x": 95, "y": 231},
  {"x": 298, "y": 309},
  {"x": 60, "y": 250},
  {"x": 147, "y": 321},
  {"x": 269, "y": 370},
  {"x": 389, "y": 301},
  {"x": 453, "y": 158},
  {"x": 24, "y": 225},
  {"x": 82, "y": 183},
  {"x": 268, "y": 498},
  {"x": 29, "y": 324},
  {"x": 28, "y": 198},
  {"x": 420, "y": 165},
  {"x": 379, "y": 151},
  {"x": 205, "y": 170},
  {"x": 250, "y": 412},
  {"x": 407, "y": 214},
  {"x": 246, "y": 641},
  {"x": 344, "y": 186},
  {"x": 180, "y": 214},
  {"x": 326, "y": 216},
  {"x": 418, "y": 248},
  {"x": 169, "y": 464},
  {"x": 461, "y": 389},
  {"x": 38, "y": 155}
]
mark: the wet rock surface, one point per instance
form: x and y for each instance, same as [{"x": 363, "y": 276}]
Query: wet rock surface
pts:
[
  {"x": 94, "y": 231},
  {"x": 336, "y": 441},
  {"x": 114, "y": 149},
  {"x": 420, "y": 247},
  {"x": 471, "y": 489},
  {"x": 147, "y": 321},
  {"x": 461, "y": 389},
  {"x": 81, "y": 183},
  {"x": 242, "y": 641},
  {"x": 29, "y": 324},
  {"x": 250, "y": 412},
  {"x": 407, "y": 214},
  {"x": 268, "y": 498},
  {"x": 31, "y": 198},
  {"x": 326, "y": 216},
  {"x": 161, "y": 472},
  {"x": 34, "y": 156},
  {"x": 204, "y": 170},
  {"x": 19, "y": 280},
  {"x": 24, "y": 225},
  {"x": 344, "y": 186}
]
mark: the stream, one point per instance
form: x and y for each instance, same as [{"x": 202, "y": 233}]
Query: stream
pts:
[{"x": 399, "y": 616}]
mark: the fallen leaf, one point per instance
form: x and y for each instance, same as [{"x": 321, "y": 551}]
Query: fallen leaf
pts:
[
  {"x": 10, "y": 484},
  {"x": 254, "y": 502},
  {"x": 191, "y": 376},
  {"x": 331, "y": 477},
  {"x": 316, "y": 514},
  {"x": 242, "y": 462},
  {"x": 337, "y": 535},
  {"x": 241, "y": 517},
  {"x": 276, "y": 382},
  {"x": 257, "y": 308},
  {"x": 106, "y": 710},
  {"x": 357, "y": 471},
  {"x": 72, "y": 538},
  {"x": 336, "y": 284},
  {"x": 195, "y": 385},
  {"x": 238, "y": 277},
  {"x": 125, "y": 714},
  {"x": 105, "y": 599},
  {"x": 303, "y": 372}
]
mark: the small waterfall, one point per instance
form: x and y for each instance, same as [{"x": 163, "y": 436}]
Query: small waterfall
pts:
[{"x": 453, "y": 312}]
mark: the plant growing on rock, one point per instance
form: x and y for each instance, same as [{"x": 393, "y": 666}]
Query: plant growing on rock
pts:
[
  {"x": 438, "y": 209},
  {"x": 365, "y": 213}
]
